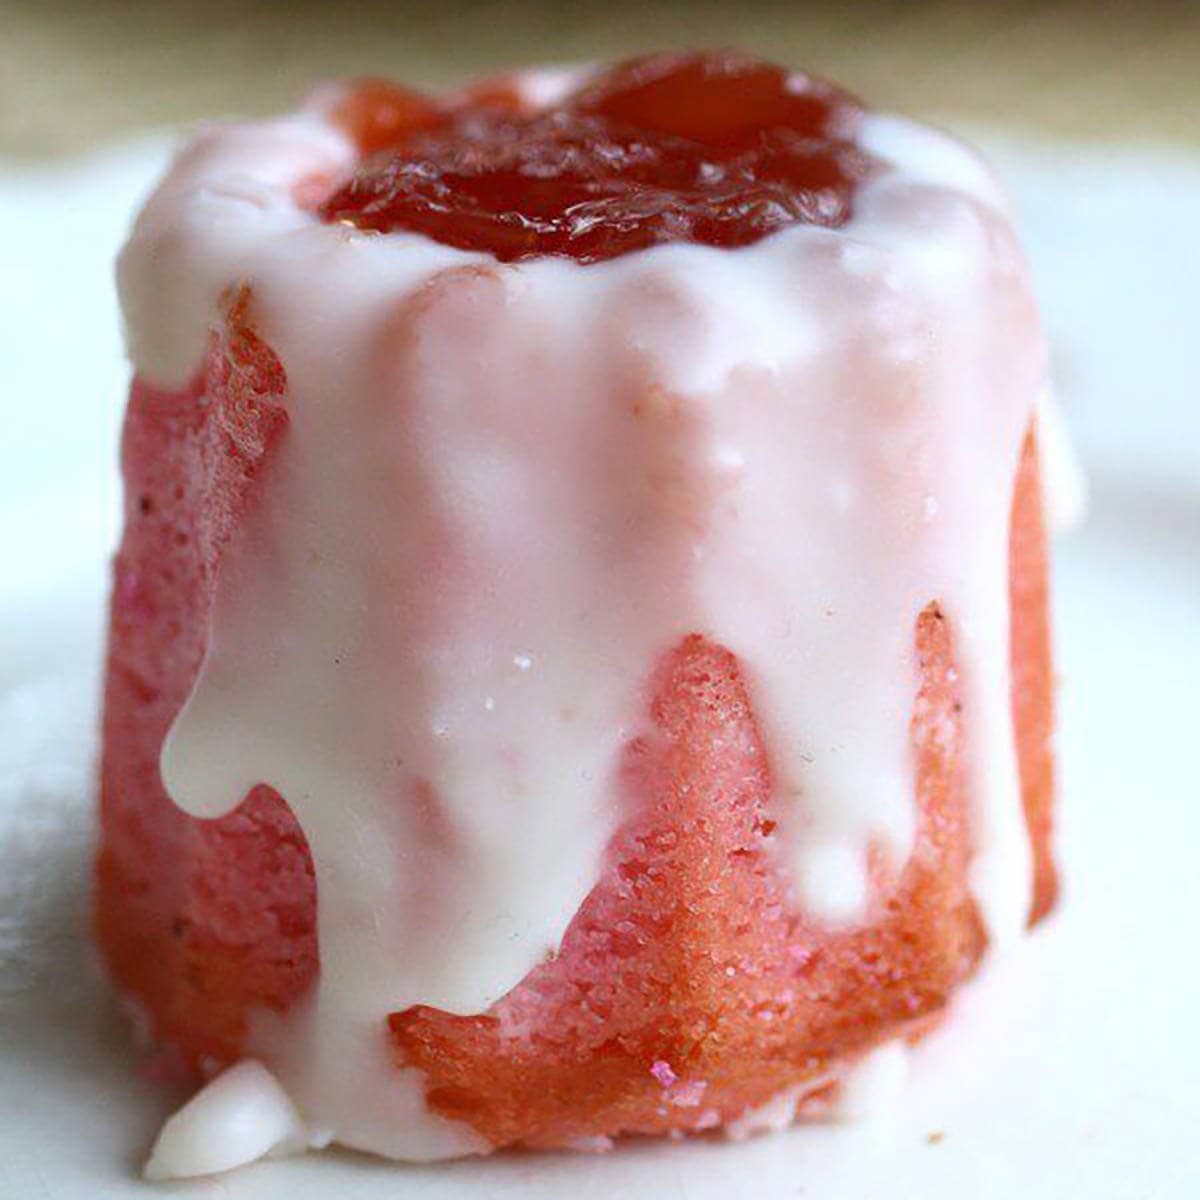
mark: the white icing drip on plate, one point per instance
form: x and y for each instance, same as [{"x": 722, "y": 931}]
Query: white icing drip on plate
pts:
[
  {"x": 240, "y": 1116},
  {"x": 506, "y": 490}
]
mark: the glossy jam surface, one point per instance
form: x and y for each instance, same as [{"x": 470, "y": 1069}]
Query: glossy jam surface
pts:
[{"x": 719, "y": 149}]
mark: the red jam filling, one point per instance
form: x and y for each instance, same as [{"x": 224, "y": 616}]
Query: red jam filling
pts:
[{"x": 718, "y": 148}]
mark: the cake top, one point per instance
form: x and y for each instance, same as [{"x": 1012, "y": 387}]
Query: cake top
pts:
[{"x": 719, "y": 149}]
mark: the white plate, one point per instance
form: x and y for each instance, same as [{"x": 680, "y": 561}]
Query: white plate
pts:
[{"x": 1075, "y": 1073}]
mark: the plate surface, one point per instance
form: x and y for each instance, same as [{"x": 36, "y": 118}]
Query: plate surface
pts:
[{"x": 1074, "y": 1072}]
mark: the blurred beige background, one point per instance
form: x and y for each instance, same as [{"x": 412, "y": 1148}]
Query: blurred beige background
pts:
[{"x": 75, "y": 73}]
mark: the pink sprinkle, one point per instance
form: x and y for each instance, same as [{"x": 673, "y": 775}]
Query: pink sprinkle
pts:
[{"x": 661, "y": 1071}]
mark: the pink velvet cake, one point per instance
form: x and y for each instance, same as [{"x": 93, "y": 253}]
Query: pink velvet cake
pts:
[{"x": 579, "y": 661}]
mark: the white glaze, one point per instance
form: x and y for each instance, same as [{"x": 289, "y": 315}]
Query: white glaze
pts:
[
  {"x": 1064, "y": 485},
  {"x": 769, "y": 1117},
  {"x": 505, "y": 491},
  {"x": 241, "y": 1115},
  {"x": 866, "y": 1089}
]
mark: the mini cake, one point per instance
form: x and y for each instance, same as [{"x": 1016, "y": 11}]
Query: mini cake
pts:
[{"x": 579, "y": 658}]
